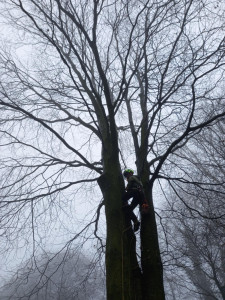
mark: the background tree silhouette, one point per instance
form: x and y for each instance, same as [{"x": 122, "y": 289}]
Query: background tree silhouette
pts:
[
  {"x": 196, "y": 251},
  {"x": 66, "y": 275}
]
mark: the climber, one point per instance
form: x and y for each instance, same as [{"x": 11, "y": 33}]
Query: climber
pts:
[{"x": 134, "y": 190}]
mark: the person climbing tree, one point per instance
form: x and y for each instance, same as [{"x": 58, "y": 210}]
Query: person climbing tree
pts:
[{"x": 134, "y": 189}]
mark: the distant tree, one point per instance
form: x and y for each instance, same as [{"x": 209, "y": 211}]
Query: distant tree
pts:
[
  {"x": 65, "y": 275},
  {"x": 198, "y": 213},
  {"x": 109, "y": 82}
]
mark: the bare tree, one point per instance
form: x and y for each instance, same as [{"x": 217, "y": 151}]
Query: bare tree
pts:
[
  {"x": 197, "y": 249},
  {"x": 66, "y": 275},
  {"x": 132, "y": 79}
]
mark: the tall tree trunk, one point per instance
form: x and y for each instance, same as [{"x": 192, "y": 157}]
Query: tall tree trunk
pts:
[
  {"x": 123, "y": 275},
  {"x": 151, "y": 263}
]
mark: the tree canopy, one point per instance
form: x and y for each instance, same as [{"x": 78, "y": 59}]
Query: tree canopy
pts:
[{"x": 90, "y": 87}]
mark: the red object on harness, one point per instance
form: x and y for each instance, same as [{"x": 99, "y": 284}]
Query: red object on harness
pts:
[{"x": 145, "y": 208}]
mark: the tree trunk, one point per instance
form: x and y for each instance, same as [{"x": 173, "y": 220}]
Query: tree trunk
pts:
[
  {"x": 152, "y": 283},
  {"x": 151, "y": 264},
  {"x": 123, "y": 275}
]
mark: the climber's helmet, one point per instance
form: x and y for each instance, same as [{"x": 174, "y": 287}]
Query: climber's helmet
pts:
[{"x": 128, "y": 172}]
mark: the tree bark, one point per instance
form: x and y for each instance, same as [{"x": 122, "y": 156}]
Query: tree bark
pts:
[
  {"x": 152, "y": 282},
  {"x": 222, "y": 290},
  {"x": 151, "y": 264},
  {"x": 123, "y": 274}
]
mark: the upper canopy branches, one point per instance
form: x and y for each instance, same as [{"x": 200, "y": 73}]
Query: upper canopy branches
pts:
[{"x": 101, "y": 65}]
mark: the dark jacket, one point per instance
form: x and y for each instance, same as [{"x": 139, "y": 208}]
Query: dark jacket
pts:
[{"x": 134, "y": 183}]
